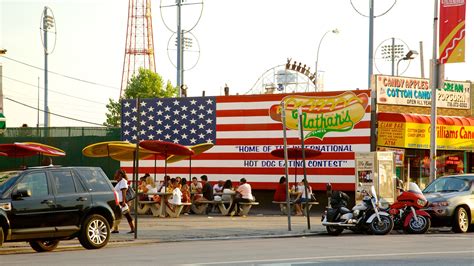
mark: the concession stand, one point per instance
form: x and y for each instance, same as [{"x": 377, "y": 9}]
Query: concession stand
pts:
[{"x": 404, "y": 126}]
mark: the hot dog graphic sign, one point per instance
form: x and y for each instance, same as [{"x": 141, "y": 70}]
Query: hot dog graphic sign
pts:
[{"x": 322, "y": 114}]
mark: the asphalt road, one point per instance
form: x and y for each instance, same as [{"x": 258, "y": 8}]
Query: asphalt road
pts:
[{"x": 347, "y": 249}]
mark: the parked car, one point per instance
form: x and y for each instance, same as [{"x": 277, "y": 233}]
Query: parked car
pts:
[
  {"x": 44, "y": 205},
  {"x": 451, "y": 202}
]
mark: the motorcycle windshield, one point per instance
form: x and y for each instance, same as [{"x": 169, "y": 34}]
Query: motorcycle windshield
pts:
[{"x": 413, "y": 187}]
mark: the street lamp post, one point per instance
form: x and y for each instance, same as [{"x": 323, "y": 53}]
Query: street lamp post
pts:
[
  {"x": 335, "y": 31},
  {"x": 409, "y": 56},
  {"x": 48, "y": 23}
]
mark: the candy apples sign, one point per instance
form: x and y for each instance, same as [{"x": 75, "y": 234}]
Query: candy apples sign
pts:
[{"x": 322, "y": 114}]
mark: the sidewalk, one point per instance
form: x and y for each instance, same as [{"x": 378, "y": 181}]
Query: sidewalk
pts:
[
  {"x": 258, "y": 224},
  {"x": 199, "y": 227}
]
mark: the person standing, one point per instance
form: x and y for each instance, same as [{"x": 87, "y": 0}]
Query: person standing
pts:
[
  {"x": 243, "y": 194},
  {"x": 121, "y": 187}
]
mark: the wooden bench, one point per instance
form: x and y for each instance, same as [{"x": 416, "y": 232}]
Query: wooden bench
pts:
[
  {"x": 175, "y": 209},
  {"x": 147, "y": 206},
  {"x": 292, "y": 203},
  {"x": 199, "y": 207},
  {"x": 245, "y": 206}
]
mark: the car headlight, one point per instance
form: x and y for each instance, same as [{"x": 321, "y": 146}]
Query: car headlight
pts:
[
  {"x": 7, "y": 206},
  {"x": 439, "y": 204}
]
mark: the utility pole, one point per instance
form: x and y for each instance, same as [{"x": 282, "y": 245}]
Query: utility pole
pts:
[
  {"x": 2, "y": 116},
  {"x": 434, "y": 83}
]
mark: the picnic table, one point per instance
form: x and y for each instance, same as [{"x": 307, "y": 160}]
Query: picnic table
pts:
[
  {"x": 293, "y": 195},
  {"x": 162, "y": 208},
  {"x": 200, "y": 206}
]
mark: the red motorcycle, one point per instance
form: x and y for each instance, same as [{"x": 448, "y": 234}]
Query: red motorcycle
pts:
[{"x": 407, "y": 213}]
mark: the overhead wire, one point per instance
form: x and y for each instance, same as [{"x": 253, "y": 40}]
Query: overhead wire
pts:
[
  {"x": 62, "y": 75},
  {"x": 51, "y": 113},
  {"x": 65, "y": 94},
  {"x": 70, "y": 108}
]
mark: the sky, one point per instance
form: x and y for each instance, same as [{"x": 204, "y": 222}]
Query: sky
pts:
[{"x": 238, "y": 42}]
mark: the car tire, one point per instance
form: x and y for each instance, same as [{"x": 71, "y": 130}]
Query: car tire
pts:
[
  {"x": 44, "y": 245},
  {"x": 2, "y": 236},
  {"x": 95, "y": 232},
  {"x": 461, "y": 220}
]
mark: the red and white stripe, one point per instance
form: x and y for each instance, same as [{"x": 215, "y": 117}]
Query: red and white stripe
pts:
[{"x": 243, "y": 122}]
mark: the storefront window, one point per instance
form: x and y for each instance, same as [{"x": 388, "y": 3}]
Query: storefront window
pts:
[
  {"x": 417, "y": 165},
  {"x": 450, "y": 162}
]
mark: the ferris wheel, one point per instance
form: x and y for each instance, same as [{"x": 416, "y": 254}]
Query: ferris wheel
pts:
[{"x": 286, "y": 78}]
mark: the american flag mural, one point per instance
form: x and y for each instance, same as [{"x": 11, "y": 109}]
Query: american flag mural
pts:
[{"x": 245, "y": 129}]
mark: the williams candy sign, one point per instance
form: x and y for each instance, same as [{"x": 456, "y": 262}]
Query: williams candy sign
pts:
[{"x": 416, "y": 92}]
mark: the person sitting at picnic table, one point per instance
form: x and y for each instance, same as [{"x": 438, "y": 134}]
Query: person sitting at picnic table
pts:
[
  {"x": 218, "y": 187},
  {"x": 228, "y": 191},
  {"x": 244, "y": 194},
  {"x": 302, "y": 196},
  {"x": 178, "y": 179},
  {"x": 207, "y": 193},
  {"x": 186, "y": 198},
  {"x": 280, "y": 192},
  {"x": 196, "y": 188},
  {"x": 148, "y": 186},
  {"x": 170, "y": 187},
  {"x": 177, "y": 194}
]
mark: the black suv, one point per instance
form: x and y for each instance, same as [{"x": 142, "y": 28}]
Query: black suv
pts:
[{"x": 44, "y": 205}]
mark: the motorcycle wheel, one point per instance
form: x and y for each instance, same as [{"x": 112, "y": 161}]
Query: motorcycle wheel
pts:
[
  {"x": 334, "y": 231},
  {"x": 383, "y": 227},
  {"x": 418, "y": 227}
]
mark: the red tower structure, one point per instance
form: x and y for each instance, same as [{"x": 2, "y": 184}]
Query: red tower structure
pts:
[{"x": 139, "y": 48}]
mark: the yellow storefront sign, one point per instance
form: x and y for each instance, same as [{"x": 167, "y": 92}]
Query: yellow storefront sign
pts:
[{"x": 417, "y": 136}]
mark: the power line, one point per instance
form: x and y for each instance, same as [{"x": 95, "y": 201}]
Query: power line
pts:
[
  {"x": 33, "y": 85},
  {"x": 62, "y": 75},
  {"x": 66, "y": 117}
]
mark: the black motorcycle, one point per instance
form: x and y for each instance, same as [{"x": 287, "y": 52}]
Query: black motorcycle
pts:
[{"x": 365, "y": 216}]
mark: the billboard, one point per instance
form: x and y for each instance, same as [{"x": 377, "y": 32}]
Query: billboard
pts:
[{"x": 245, "y": 129}]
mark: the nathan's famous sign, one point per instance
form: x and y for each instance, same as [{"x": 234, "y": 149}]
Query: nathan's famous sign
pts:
[{"x": 323, "y": 114}]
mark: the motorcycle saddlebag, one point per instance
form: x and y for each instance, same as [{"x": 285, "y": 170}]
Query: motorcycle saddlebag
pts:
[{"x": 332, "y": 214}]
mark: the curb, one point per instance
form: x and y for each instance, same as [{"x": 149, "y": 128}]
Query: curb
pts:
[{"x": 22, "y": 247}]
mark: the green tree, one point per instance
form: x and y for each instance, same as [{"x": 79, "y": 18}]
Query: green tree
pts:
[{"x": 146, "y": 84}]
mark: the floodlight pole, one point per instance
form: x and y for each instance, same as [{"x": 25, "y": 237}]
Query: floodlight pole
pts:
[
  {"x": 373, "y": 96},
  {"x": 179, "y": 63},
  {"x": 393, "y": 57}
]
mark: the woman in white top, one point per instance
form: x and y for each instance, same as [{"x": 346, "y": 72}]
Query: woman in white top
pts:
[
  {"x": 302, "y": 197},
  {"x": 149, "y": 187},
  {"x": 121, "y": 188},
  {"x": 227, "y": 192}
]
